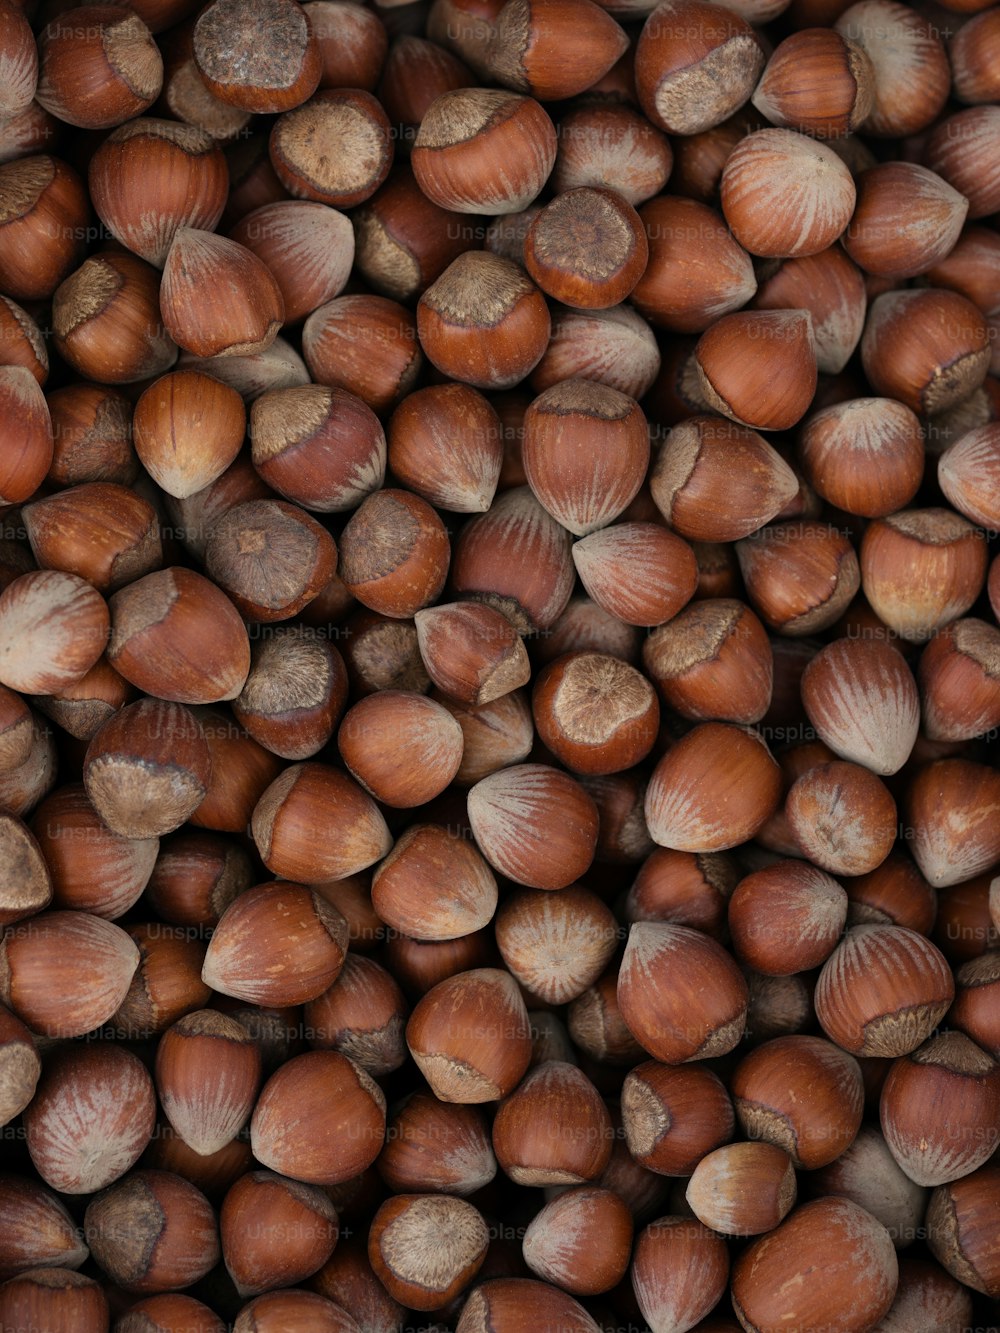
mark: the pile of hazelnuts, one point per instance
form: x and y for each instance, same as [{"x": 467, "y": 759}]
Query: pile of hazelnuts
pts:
[{"x": 499, "y": 666}]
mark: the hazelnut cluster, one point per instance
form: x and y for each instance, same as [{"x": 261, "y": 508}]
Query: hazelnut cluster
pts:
[{"x": 499, "y": 666}]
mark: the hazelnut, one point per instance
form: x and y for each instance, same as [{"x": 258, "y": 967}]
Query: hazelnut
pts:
[
  {"x": 843, "y": 817},
  {"x": 585, "y": 453},
  {"x": 580, "y": 1241},
  {"x": 638, "y": 571},
  {"x": 433, "y": 885},
  {"x": 615, "y": 347},
  {"x": 718, "y": 482},
  {"x": 207, "y": 1076},
  {"x": 597, "y": 1026},
  {"x": 404, "y": 240},
  {"x": 38, "y": 1230},
  {"x": 831, "y": 288},
  {"x": 320, "y": 1119},
  {"x": 24, "y": 344},
  {"x": 20, "y": 1066},
  {"x": 964, "y": 472},
  {"x": 27, "y": 885},
  {"x": 304, "y": 797},
  {"x": 679, "y": 1271},
  {"x": 907, "y": 219},
  {"x": 962, "y": 149},
  {"x": 308, "y": 247},
  {"x": 402, "y": 747},
  {"x": 553, "y": 1129},
  {"x": 801, "y": 1093},
  {"x": 348, "y": 116},
  {"x": 934, "y": 1105},
  {"x": 415, "y": 74},
  {"x": 959, "y": 1232},
  {"x": 883, "y": 990},
  {"x": 974, "y": 1011},
  {"x": 712, "y": 662},
  {"x": 472, "y": 652},
  {"x": 970, "y": 51},
  {"x": 910, "y": 65},
  {"x": 565, "y": 235},
  {"x": 91, "y": 1118},
  {"x": 784, "y": 194},
  {"x": 466, "y": 140},
  {"x": 470, "y": 1037},
  {"x": 106, "y": 320},
  {"x": 152, "y": 1231},
  {"x": 444, "y": 444},
  {"x": 695, "y": 64},
  {"x": 553, "y": 49},
  {"x": 681, "y": 994},
  {"x": 714, "y": 789},
  {"x": 864, "y": 455},
  {"x": 362, "y": 1015},
  {"x": 16, "y": 730},
  {"x": 169, "y": 1311},
  {"x": 926, "y": 1293},
  {"x": 147, "y": 768},
  {"x": 260, "y": 56},
  {"x": 53, "y": 628},
  {"x": 241, "y": 771},
  {"x": 166, "y": 984},
  {"x": 92, "y": 869},
  {"x": 394, "y": 553},
  {"x": 169, "y": 431},
  {"x": 556, "y": 944},
  {"x": 786, "y": 918},
  {"x": 103, "y": 532},
  {"x": 270, "y": 557},
  {"x": 534, "y": 824},
  {"x": 366, "y": 345},
  {"x": 894, "y": 893},
  {"x": 306, "y": 942},
  {"x": 800, "y": 576},
  {"x": 48, "y": 1297},
  {"x": 673, "y": 1116},
  {"x": 742, "y": 1189},
  {"x": 758, "y": 367},
  {"x": 515, "y": 558},
  {"x": 437, "y": 1146},
  {"x": 248, "y": 312},
  {"x": 868, "y": 1175},
  {"x": 696, "y": 272},
  {"x": 21, "y": 57},
  {"x": 274, "y": 1232},
  {"x": 508, "y": 1302},
  {"x": 595, "y": 713},
  {"x": 92, "y": 436},
  {"x": 928, "y": 348},
  {"x": 612, "y": 146},
  {"x": 483, "y": 321},
  {"x": 427, "y": 1249},
  {"x": 957, "y": 673},
  {"x": 98, "y": 69},
  {"x": 686, "y": 888},
  {"x": 831, "y": 1240},
  {"x": 495, "y": 735},
  {"x": 819, "y": 82},
  {"x": 173, "y": 634},
  {"x": 41, "y": 226},
  {"x": 151, "y": 177},
  {"x": 294, "y": 695},
  {"x": 275, "y": 1310}
]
